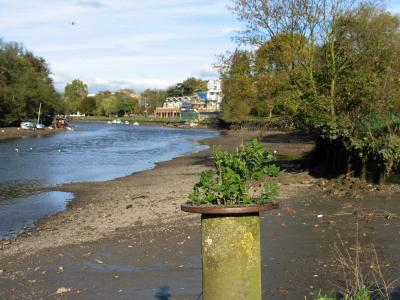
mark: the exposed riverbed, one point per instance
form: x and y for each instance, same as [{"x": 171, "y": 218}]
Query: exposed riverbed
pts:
[{"x": 93, "y": 152}]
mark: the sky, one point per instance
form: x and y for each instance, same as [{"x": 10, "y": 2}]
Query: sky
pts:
[{"x": 113, "y": 44}]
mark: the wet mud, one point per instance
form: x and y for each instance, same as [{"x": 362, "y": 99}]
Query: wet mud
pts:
[{"x": 157, "y": 255}]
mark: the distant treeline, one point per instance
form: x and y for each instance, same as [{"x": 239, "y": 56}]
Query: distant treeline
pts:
[
  {"x": 330, "y": 66},
  {"x": 25, "y": 82}
]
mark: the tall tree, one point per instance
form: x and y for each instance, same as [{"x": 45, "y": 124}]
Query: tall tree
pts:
[
  {"x": 237, "y": 85},
  {"x": 24, "y": 83},
  {"x": 74, "y": 93}
]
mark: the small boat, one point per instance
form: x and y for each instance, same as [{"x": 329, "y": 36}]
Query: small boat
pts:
[
  {"x": 136, "y": 123},
  {"x": 116, "y": 121},
  {"x": 38, "y": 124},
  {"x": 126, "y": 122},
  {"x": 193, "y": 124},
  {"x": 27, "y": 125}
]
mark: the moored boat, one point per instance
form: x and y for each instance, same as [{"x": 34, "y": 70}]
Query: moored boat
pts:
[{"x": 27, "y": 125}]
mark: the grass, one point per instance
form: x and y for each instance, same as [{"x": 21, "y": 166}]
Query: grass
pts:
[{"x": 362, "y": 274}]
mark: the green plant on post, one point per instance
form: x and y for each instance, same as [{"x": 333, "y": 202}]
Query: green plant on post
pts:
[{"x": 230, "y": 237}]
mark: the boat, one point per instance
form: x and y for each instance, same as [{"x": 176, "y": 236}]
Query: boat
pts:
[
  {"x": 27, "y": 125},
  {"x": 109, "y": 122},
  {"x": 193, "y": 124},
  {"x": 38, "y": 124},
  {"x": 126, "y": 122},
  {"x": 116, "y": 121},
  {"x": 59, "y": 122},
  {"x": 136, "y": 123}
]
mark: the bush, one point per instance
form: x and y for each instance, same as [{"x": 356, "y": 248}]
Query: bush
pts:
[{"x": 229, "y": 185}]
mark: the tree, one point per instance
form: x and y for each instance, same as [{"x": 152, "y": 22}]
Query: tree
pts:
[
  {"x": 88, "y": 106},
  {"x": 187, "y": 87},
  {"x": 152, "y": 99},
  {"x": 278, "y": 74},
  {"x": 24, "y": 83},
  {"x": 316, "y": 20},
  {"x": 74, "y": 93},
  {"x": 237, "y": 85},
  {"x": 126, "y": 102}
]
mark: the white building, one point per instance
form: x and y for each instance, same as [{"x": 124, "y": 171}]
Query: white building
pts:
[
  {"x": 214, "y": 92},
  {"x": 184, "y": 102},
  {"x": 214, "y": 95}
]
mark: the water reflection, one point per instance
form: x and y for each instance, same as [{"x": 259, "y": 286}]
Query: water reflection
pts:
[{"x": 19, "y": 213}]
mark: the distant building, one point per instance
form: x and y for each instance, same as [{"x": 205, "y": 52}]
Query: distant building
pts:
[
  {"x": 214, "y": 95},
  {"x": 201, "y": 102}
]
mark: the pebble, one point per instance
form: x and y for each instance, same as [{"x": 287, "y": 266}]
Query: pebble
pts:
[{"x": 62, "y": 290}]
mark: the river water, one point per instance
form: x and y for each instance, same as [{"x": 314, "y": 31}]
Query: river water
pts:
[{"x": 93, "y": 152}]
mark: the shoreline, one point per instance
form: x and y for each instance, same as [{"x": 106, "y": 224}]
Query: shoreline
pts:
[
  {"x": 80, "y": 191},
  {"x": 10, "y": 133}
]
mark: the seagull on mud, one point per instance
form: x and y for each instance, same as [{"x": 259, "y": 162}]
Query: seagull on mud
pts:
[{"x": 16, "y": 150}]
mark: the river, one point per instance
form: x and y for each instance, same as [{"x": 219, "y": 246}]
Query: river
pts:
[{"x": 93, "y": 152}]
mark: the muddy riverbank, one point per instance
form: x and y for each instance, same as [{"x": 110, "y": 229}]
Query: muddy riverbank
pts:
[
  {"x": 128, "y": 239},
  {"x": 16, "y": 132}
]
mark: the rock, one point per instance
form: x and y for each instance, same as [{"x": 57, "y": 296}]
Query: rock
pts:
[
  {"x": 320, "y": 216},
  {"x": 128, "y": 206},
  {"x": 2, "y": 271},
  {"x": 62, "y": 290}
]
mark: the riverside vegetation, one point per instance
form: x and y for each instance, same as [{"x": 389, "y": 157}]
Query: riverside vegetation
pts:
[
  {"x": 237, "y": 177},
  {"x": 330, "y": 67}
]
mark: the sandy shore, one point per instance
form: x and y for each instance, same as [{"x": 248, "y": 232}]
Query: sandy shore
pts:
[
  {"x": 128, "y": 239},
  {"x": 16, "y": 132}
]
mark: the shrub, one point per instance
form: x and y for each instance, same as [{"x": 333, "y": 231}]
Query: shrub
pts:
[{"x": 229, "y": 185}]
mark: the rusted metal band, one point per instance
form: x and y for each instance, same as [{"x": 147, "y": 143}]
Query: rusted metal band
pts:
[{"x": 227, "y": 210}]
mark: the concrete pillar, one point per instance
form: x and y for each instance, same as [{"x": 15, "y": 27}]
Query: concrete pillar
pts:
[{"x": 231, "y": 257}]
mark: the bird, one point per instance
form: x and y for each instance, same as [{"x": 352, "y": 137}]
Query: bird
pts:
[
  {"x": 30, "y": 148},
  {"x": 16, "y": 149},
  {"x": 73, "y": 23}
]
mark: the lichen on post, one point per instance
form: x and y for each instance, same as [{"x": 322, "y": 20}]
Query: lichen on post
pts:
[{"x": 231, "y": 257}]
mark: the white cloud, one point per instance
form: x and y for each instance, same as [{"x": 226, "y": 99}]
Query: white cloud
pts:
[
  {"x": 90, "y": 3},
  {"x": 146, "y": 43}
]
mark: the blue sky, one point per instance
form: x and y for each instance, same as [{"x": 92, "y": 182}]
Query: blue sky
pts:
[
  {"x": 124, "y": 43},
  {"x": 121, "y": 43}
]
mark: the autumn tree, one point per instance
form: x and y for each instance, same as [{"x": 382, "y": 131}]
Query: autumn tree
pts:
[
  {"x": 151, "y": 99},
  {"x": 237, "y": 84}
]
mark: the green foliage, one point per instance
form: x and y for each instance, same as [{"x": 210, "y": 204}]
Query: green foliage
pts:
[
  {"x": 152, "y": 99},
  {"x": 187, "y": 87},
  {"x": 230, "y": 185},
  {"x": 365, "y": 293},
  {"x": 258, "y": 160},
  {"x": 24, "y": 83},
  {"x": 238, "y": 86},
  {"x": 74, "y": 93},
  {"x": 335, "y": 72}
]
